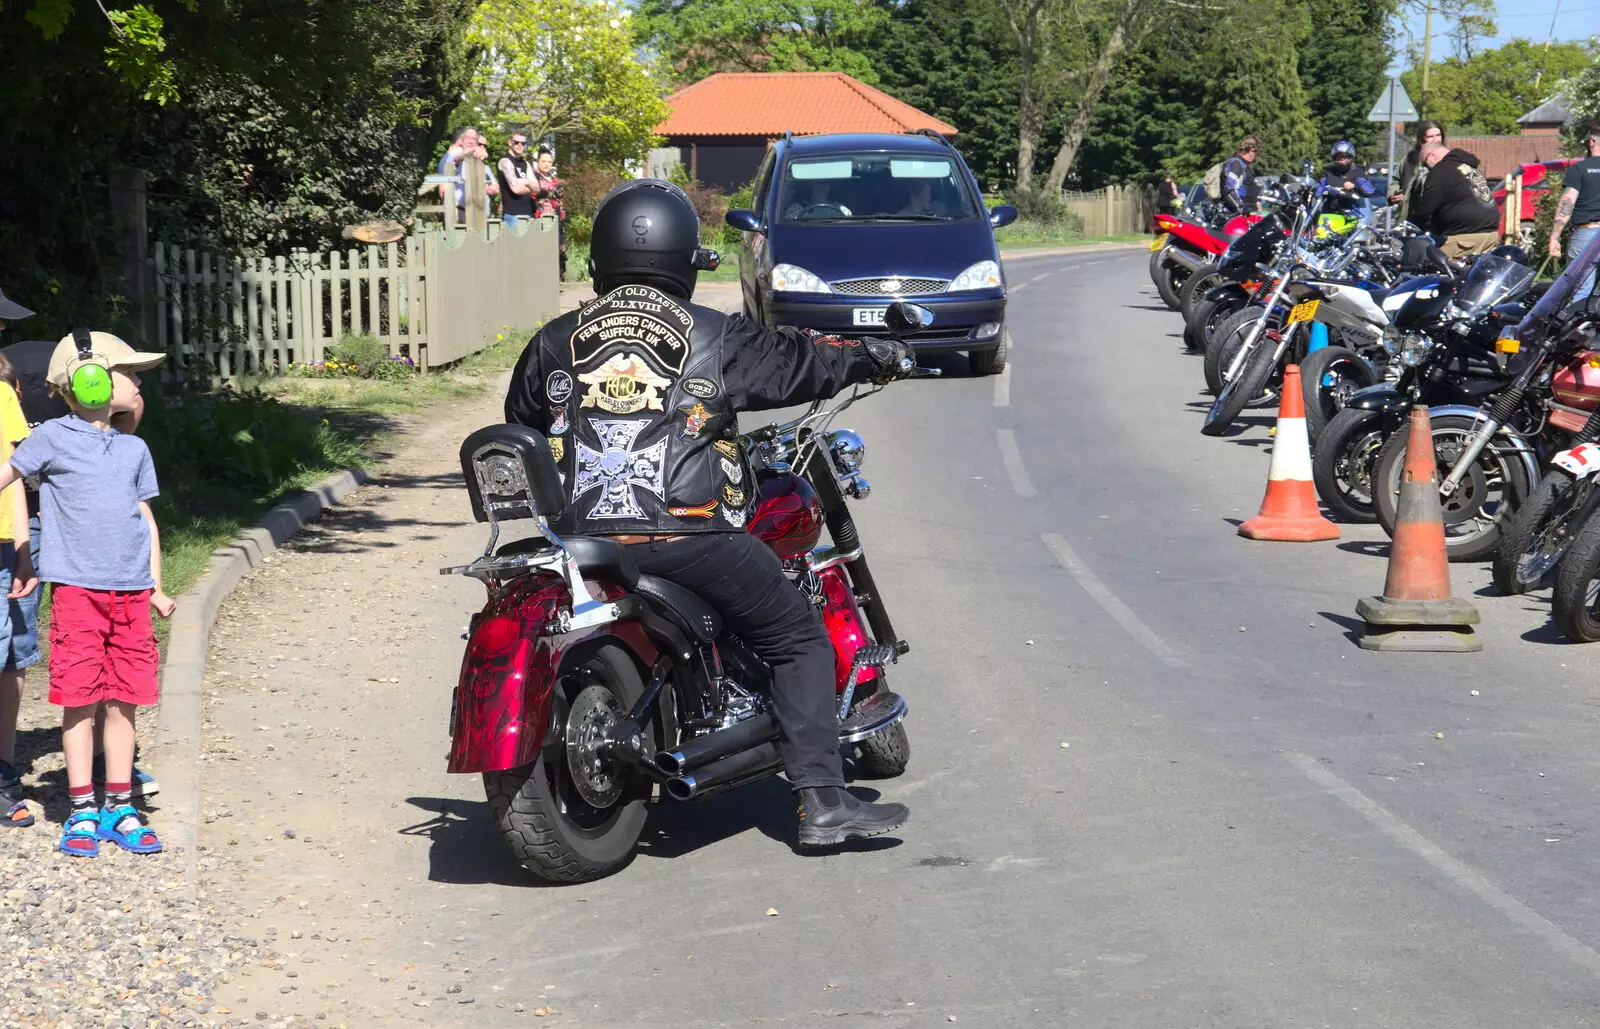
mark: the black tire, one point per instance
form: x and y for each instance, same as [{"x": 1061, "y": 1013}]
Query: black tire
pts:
[
  {"x": 1157, "y": 262},
  {"x": 1207, "y": 317},
  {"x": 1327, "y": 377},
  {"x": 1492, "y": 490},
  {"x": 1572, "y": 604},
  {"x": 1341, "y": 465},
  {"x": 1537, "y": 536},
  {"x": 1223, "y": 345},
  {"x": 553, "y": 832},
  {"x": 1247, "y": 385},
  {"x": 991, "y": 362},
  {"x": 1169, "y": 281},
  {"x": 1195, "y": 288}
]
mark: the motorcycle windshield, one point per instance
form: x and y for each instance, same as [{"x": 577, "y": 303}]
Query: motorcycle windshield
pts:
[
  {"x": 1492, "y": 280},
  {"x": 1554, "y": 300}
]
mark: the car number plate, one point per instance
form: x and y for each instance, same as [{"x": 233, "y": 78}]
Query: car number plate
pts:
[
  {"x": 1159, "y": 242},
  {"x": 869, "y": 315},
  {"x": 1303, "y": 312}
]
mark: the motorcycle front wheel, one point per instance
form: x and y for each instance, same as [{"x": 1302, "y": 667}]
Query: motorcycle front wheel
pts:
[
  {"x": 1225, "y": 342},
  {"x": 1474, "y": 513},
  {"x": 1342, "y": 464},
  {"x": 574, "y": 815},
  {"x": 1249, "y": 386},
  {"x": 1575, "y": 603},
  {"x": 1206, "y": 317},
  {"x": 1538, "y": 535},
  {"x": 1327, "y": 378}
]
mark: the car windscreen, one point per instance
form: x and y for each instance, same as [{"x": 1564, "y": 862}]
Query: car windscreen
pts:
[{"x": 874, "y": 187}]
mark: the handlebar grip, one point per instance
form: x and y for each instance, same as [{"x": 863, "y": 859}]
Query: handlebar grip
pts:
[{"x": 926, "y": 373}]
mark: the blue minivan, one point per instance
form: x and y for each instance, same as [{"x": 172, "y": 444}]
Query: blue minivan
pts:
[{"x": 843, "y": 225}]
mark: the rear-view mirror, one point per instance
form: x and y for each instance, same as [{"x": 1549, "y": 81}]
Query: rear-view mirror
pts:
[
  {"x": 1002, "y": 216},
  {"x": 903, "y": 318},
  {"x": 744, "y": 221}
]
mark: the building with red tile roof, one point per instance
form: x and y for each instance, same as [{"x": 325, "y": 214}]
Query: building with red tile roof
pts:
[{"x": 721, "y": 125}]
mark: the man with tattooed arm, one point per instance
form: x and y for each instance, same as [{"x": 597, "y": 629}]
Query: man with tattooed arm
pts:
[{"x": 1580, "y": 205}]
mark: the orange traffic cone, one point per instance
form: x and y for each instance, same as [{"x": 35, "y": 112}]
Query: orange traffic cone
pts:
[
  {"x": 1289, "y": 510},
  {"x": 1416, "y": 611}
]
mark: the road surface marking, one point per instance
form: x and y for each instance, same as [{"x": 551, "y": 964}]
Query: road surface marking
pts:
[
  {"x": 1002, "y": 387},
  {"x": 1467, "y": 878},
  {"x": 1011, "y": 457},
  {"x": 1103, "y": 596},
  {"x": 1091, "y": 264}
]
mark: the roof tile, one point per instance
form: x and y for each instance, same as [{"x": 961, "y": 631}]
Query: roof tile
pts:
[{"x": 805, "y": 103}]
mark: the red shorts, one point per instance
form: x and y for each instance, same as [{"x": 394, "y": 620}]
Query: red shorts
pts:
[{"x": 102, "y": 647}]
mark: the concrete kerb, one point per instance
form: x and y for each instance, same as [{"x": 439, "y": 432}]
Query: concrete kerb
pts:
[{"x": 177, "y": 749}]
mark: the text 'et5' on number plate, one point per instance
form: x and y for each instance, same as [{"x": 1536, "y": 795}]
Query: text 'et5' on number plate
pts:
[
  {"x": 1159, "y": 242},
  {"x": 869, "y": 315},
  {"x": 1303, "y": 312}
]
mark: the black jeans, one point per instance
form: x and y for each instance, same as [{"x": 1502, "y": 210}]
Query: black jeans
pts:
[{"x": 743, "y": 579}]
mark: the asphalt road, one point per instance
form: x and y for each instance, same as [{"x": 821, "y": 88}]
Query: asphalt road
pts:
[{"x": 1154, "y": 782}]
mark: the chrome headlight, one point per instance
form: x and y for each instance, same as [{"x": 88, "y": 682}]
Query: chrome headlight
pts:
[
  {"x": 848, "y": 450},
  {"x": 788, "y": 278},
  {"x": 983, "y": 275},
  {"x": 1413, "y": 349}
]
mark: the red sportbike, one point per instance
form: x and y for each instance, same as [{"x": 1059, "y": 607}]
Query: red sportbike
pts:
[
  {"x": 588, "y": 689},
  {"x": 1183, "y": 247}
]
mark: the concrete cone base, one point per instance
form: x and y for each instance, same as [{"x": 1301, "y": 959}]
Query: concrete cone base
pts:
[
  {"x": 1387, "y": 611},
  {"x": 1421, "y": 639}
]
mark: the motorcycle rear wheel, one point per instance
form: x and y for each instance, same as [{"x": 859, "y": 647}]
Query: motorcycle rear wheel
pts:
[
  {"x": 1490, "y": 489},
  {"x": 1342, "y": 463},
  {"x": 1170, "y": 278},
  {"x": 1195, "y": 288},
  {"x": 1539, "y": 534},
  {"x": 1327, "y": 377},
  {"x": 1577, "y": 593},
  {"x": 1206, "y": 318},
  {"x": 552, "y": 829}
]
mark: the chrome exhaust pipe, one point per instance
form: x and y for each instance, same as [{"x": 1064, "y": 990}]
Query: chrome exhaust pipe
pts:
[
  {"x": 735, "y": 770},
  {"x": 714, "y": 746},
  {"x": 1187, "y": 260}
]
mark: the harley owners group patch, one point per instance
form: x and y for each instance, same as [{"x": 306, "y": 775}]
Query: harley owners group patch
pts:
[{"x": 623, "y": 385}]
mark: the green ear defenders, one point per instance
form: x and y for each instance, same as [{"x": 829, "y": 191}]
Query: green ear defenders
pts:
[{"x": 88, "y": 377}]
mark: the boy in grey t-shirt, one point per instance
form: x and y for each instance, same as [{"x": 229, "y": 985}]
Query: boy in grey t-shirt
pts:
[{"x": 101, "y": 551}]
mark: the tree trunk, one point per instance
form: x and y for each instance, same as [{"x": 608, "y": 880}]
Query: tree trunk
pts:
[
  {"x": 1027, "y": 136},
  {"x": 1025, "y": 29},
  {"x": 1128, "y": 34}
]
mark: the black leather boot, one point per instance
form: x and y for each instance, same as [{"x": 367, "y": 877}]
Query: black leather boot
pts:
[{"x": 830, "y": 815}]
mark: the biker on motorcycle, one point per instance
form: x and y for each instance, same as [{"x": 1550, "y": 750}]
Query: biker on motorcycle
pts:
[
  {"x": 1342, "y": 178},
  {"x": 682, "y": 372},
  {"x": 1239, "y": 190}
]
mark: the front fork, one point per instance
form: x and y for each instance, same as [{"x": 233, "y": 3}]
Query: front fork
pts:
[
  {"x": 1256, "y": 330},
  {"x": 842, "y": 528}
]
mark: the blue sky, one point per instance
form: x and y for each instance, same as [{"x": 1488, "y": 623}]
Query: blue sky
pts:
[{"x": 1529, "y": 19}]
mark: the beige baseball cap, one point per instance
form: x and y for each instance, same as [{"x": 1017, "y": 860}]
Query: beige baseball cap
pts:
[{"x": 107, "y": 349}]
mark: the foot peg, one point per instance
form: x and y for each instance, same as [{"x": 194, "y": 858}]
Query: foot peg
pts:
[
  {"x": 872, "y": 655},
  {"x": 875, "y": 714}
]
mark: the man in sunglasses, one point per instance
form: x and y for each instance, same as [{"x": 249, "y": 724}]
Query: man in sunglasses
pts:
[{"x": 516, "y": 182}]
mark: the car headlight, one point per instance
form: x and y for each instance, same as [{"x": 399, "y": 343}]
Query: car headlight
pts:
[
  {"x": 787, "y": 278},
  {"x": 983, "y": 275},
  {"x": 849, "y": 452}
]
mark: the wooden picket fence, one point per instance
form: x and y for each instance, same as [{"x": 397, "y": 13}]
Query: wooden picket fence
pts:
[
  {"x": 436, "y": 297},
  {"x": 1114, "y": 211}
]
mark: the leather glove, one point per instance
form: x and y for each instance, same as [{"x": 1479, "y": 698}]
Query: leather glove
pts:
[{"x": 893, "y": 358}]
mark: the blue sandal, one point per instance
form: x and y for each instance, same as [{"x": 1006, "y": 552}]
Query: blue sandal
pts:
[
  {"x": 139, "y": 839},
  {"x": 81, "y": 835},
  {"x": 17, "y": 816}
]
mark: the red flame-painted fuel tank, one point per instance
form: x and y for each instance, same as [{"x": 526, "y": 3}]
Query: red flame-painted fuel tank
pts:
[{"x": 788, "y": 516}]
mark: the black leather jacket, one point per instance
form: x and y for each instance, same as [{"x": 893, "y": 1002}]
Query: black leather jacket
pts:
[{"x": 639, "y": 394}]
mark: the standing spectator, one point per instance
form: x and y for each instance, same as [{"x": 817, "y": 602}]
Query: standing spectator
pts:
[
  {"x": 516, "y": 182},
  {"x": 464, "y": 144},
  {"x": 547, "y": 196},
  {"x": 1403, "y": 188},
  {"x": 1455, "y": 202},
  {"x": 11, "y": 311},
  {"x": 1580, "y": 205},
  {"x": 1168, "y": 198},
  {"x": 21, "y": 585},
  {"x": 1239, "y": 191},
  {"x": 102, "y": 553}
]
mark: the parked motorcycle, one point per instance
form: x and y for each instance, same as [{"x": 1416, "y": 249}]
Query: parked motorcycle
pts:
[
  {"x": 586, "y": 686},
  {"x": 1183, "y": 247}
]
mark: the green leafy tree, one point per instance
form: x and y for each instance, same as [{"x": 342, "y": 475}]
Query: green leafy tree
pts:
[
  {"x": 1343, "y": 65},
  {"x": 565, "y": 67},
  {"x": 697, "y": 38},
  {"x": 1487, "y": 92}
]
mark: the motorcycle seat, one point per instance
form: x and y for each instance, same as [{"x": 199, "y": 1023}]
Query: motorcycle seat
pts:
[
  {"x": 680, "y": 606},
  {"x": 597, "y": 557}
]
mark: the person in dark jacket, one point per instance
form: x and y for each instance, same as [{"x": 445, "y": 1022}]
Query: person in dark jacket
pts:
[
  {"x": 1349, "y": 182},
  {"x": 1239, "y": 189},
  {"x": 638, "y": 392},
  {"x": 1455, "y": 203},
  {"x": 1404, "y": 187}
]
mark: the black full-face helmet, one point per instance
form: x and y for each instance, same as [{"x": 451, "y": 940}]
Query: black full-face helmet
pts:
[{"x": 646, "y": 232}]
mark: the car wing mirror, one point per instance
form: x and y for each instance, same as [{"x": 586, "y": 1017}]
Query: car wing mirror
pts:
[
  {"x": 902, "y": 318},
  {"x": 1002, "y": 216},
  {"x": 744, "y": 221}
]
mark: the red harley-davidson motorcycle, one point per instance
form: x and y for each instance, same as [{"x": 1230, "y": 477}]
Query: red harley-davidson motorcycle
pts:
[{"x": 587, "y": 686}]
